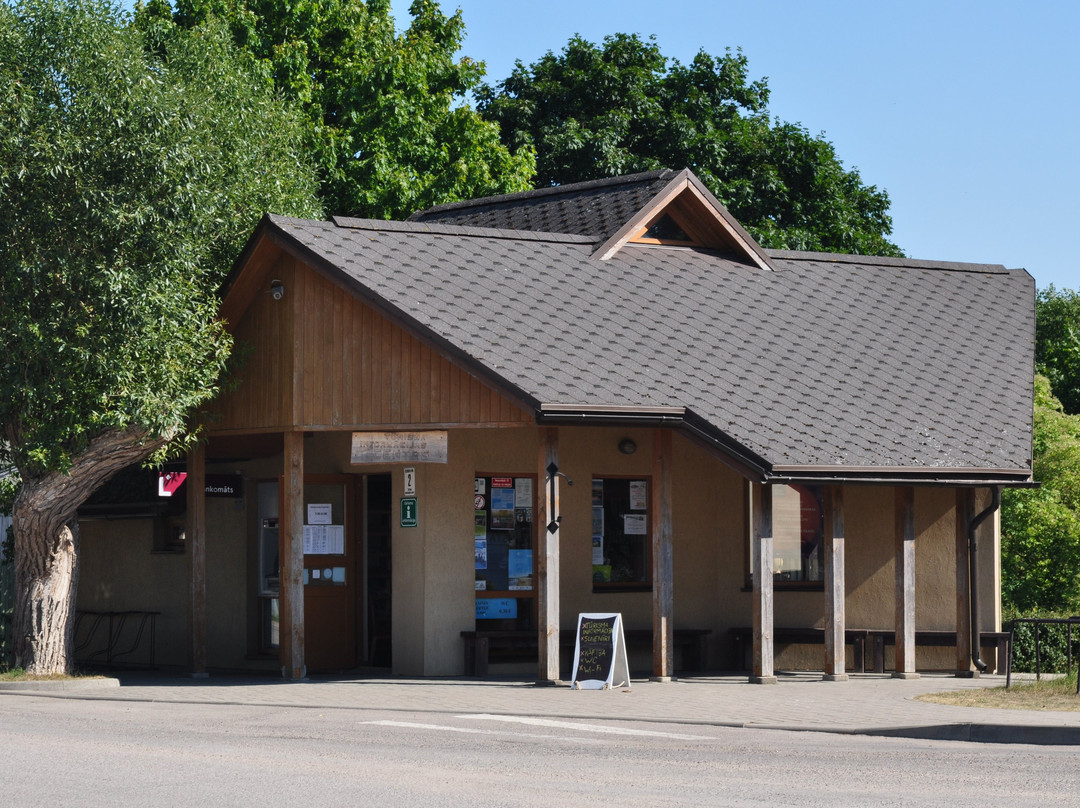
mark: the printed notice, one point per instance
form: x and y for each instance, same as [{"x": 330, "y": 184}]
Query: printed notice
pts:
[
  {"x": 634, "y": 524},
  {"x": 324, "y": 540},
  {"x": 639, "y": 495},
  {"x": 319, "y": 513}
]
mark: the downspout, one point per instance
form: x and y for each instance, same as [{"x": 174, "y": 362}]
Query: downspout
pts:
[{"x": 973, "y": 576}]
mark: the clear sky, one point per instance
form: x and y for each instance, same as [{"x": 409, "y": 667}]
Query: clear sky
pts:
[{"x": 967, "y": 113}]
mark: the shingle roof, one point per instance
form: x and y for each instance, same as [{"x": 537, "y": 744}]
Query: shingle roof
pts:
[
  {"x": 596, "y": 208},
  {"x": 831, "y": 361}
]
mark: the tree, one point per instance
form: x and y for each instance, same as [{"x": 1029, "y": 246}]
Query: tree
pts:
[
  {"x": 134, "y": 161},
  {"x": 1057, "y": 343},
  {"x": 1040, "y": 527},
  {"x": 597, "y": 111},
  {"x": 386, "y": 113}
]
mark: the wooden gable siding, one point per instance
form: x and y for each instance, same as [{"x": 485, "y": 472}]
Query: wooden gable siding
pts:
[{"x": 350, "y": 367}]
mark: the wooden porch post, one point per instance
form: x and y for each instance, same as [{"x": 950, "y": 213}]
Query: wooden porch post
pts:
[
  {"x": 291, "y": 552},
  {"x": 195, "y": 529},
  {"x": 835, "y": 617},
  {"x": 763, "y": 585},
  {"x": 965, "y": 512},
  {"x": 663, "y": 567},
  {"x": 547, "y": 562},
  {"x": 905, "y": 583}
]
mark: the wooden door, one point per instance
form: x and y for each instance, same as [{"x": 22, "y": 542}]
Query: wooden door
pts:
[{"x": 331, "y": 573}]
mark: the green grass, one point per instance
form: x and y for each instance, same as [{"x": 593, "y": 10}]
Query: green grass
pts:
[
  {"x": 20, "y": 675},
  {"x": 1049, "y": 694}
]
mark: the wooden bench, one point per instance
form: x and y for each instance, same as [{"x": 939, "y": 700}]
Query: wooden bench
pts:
[
  {"x": 742, "y": 638},
  {"x": 876, "y": 639},
  {"x": 483, "y": 646},
  {"x": 935, "y": 639}
]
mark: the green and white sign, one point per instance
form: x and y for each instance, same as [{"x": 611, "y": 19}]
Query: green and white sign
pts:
[{"x": 408, "y": 511}]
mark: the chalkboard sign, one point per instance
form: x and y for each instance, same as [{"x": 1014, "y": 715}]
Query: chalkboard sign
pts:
[{"x": 600, "y": 653}]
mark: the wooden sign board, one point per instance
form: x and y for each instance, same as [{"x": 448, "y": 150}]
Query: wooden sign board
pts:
[
  {"x": 399, "y": 447},
  {"x": 600, "y": 661}
]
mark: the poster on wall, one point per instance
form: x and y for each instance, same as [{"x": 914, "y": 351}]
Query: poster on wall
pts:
[
  {"x": 502, "y": 509},
  {"x": 480, "y": 539},
  {"x": 523, "y": 492},
  {"x": 519, "y": 569},
  {"x": 639, "y": 495}
]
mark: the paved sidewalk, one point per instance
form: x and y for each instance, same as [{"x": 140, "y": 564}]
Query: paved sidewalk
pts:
[{"x": 866, "y": 704}]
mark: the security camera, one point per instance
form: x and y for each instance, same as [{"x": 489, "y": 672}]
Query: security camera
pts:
[{"x": 277, "y": 290}]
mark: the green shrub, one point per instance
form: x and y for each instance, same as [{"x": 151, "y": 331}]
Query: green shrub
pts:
[{"x": 1053, "y": 645}]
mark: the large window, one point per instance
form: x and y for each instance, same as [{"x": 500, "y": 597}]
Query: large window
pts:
[
  {"x": 798, "y": 530},
  {"x": 620, "y": 534},
  {"x": 503, "y": 537}
]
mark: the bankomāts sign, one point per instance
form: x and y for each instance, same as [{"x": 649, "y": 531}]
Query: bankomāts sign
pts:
[{"x": 229, "y": 486}]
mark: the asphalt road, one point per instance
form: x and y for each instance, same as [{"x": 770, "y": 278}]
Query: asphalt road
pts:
[{"x": 105, "y": 753}]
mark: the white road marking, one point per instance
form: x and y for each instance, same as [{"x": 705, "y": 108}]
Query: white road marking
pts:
[
  {"x": 416, "y": 725},
  {"x": 468, "y": 730},
  {"x": 547, "y": 722}
]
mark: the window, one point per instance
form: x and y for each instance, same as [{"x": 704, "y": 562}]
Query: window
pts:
[
  {"x": 621, "y": 553},
  {"x": 798, "y": 531},
  {"x": 503, "y": 540}
]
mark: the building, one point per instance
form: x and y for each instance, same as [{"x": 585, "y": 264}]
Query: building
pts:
[{"x": 845, "y": 422}]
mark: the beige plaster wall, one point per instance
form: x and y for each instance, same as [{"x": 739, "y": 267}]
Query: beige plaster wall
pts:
[
  {"x": 433, "y": 593},
  {"x": 119, "y": 571}
]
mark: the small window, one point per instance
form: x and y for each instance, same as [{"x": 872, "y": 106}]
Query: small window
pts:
[
  {"x": 798, "y": 533},
  {"x": 620, "y": 535},
  {"x": 666, "y": 229},
  {"x": 171, "y": 535}
]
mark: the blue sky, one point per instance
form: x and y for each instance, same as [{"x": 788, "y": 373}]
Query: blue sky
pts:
[{"x": 967, "y": 113}]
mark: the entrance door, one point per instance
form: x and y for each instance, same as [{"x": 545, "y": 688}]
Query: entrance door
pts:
[
  {"x": 331, "y": 573},
  {"x": 378, "y": 600}
]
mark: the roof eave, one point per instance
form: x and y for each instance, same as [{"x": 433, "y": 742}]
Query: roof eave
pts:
[{"x": 901, "y": 476}]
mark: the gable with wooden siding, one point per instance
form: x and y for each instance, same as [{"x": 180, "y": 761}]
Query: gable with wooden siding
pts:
[{"x": 321, "y": 358}]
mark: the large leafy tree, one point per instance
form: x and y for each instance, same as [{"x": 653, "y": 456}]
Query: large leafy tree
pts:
[
  {"x": 1040, "y": 527},
  {"x": 134, "y": 161},
  {"x": 602, "y": 110},
  {"x": 1057, "y": 343},
  {"x": 386, "y": 112}
]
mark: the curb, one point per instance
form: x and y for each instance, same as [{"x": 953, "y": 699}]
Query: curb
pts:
[{"x": 50, "y": 685}]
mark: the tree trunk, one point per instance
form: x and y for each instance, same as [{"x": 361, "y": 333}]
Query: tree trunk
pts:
[
  {"x": 46, "y": 529},
  {"x": 46, "y": 579}
]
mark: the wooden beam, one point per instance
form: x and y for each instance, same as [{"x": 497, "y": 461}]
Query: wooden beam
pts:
[
  {"x": 291, "y": 552},
  {"x": 663, "y": 584},
  {"x": 547, "y": 562},
  {"x": 835, "y": 615},
  {"x": 763, "y": 585},
  {"x": 905, "y": 582},
  {"x": 196, "y": 544},
  {"x": 965, "y": 512}
]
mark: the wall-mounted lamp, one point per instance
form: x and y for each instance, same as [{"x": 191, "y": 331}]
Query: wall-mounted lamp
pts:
[
  {"x": 627, "y": 446},
  {"x": 277, "y": 290}
]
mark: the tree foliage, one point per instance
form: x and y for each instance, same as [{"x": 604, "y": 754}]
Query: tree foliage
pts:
[
  {"x": 596, "y": 111},
  {"x": 1040, "y": 527},
  {"x": 1057, "y": 343},
  {"x": 385, "y": 112},
  {"x": 133, "y": 165},
  {"x": 134, "y": 162}
]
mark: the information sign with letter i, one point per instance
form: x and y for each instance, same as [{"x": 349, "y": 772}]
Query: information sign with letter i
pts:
[{"x": 600, "y": 661}]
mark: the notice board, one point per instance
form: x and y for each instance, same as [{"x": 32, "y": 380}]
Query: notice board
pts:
[{"x": 600, "y": 661}]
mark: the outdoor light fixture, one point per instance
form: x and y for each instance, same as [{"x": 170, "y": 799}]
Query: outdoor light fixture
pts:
[
  {"x": 277, "y": 290},
  {"x": 627, "y": 446}
]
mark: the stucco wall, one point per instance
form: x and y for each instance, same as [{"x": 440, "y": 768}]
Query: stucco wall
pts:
[
  {"x": 433, "y": 568},
  {"x": 120, "y": 572}
]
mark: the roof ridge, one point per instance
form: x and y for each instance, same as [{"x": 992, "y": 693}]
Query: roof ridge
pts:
[
  {"x": 552, "y": 190},
  {"x": 438, "y": 228},
  {"x": 885, "y": 260}
]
